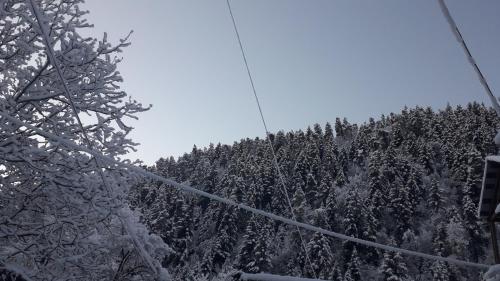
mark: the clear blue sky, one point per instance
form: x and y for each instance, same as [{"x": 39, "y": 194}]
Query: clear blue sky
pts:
[{"x": 312, "y": 60}]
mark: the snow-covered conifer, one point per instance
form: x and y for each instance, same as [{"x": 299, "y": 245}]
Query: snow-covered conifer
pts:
[{"x": 393, "y": 267}]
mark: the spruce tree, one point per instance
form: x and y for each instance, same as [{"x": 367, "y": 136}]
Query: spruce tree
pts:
[
  {"x": 339, "y": 128},
  {"x": 182, "y": 233},
  {"x": 435, "y": 200},
  {"x": 340, "y": 179},
  {"x": 336, "y": 274},
  {"x": 320, "y": 255},
  {"x": 377, "y": 194},
  {"x": 253, "y": 256},
  {"x": 299, "y": 204},
  {"x": 351, "y": 222},
  {"x": 393, "y": 267},
  {"x": 440, "y": 240},
  {"x": 440, "y": 271},
  {"x": 369, "y": 232},
  {"x": 324, "y": 187},
  {"x": 401, "y": 209},
  {"x": 328, "y": 136},
  {"x": 352, "y": 271},
  {"x": 331, "y": 208},
  {"x": 474, "y": 231}
]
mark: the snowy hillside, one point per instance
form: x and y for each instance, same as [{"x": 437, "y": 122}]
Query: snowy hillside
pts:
[{"x": 410, "y": 179}]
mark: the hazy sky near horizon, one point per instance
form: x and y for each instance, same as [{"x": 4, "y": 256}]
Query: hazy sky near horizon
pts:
[{"x": 312, "y": 61}]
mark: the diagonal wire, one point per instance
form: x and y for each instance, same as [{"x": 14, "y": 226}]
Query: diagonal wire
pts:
[
  {"x": 461, "y": 40},
  {"x": 271, "y": 147},
  {"x": 50, "y": 52}
]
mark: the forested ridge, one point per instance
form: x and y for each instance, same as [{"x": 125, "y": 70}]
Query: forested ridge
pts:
[
  {"x": 410, "y": 180},
  {"x": 74, "y": 207}
]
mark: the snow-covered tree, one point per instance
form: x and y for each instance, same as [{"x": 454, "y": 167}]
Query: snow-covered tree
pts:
[
  {"x": 352, "y": 271},
  {"x": 321, "y": 256},
  {"x": 299, "y": 204},
  {"x": 393, "y": 267},
  {"x": 63, "y": 213},
  {"x": 351, "y": 222},
  {"x": 401, "y": 208},
  {"x": 253, "y": 256},
  {"x": 436, "y": 200},
  {"x": 440, "y": 271}
]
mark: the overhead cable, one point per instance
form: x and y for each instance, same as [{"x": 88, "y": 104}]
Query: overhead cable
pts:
[
  {"x": 269, "y": 142},
  {"x": 470, "y": 58}
]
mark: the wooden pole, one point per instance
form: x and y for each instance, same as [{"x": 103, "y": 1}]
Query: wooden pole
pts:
[
  {"x": 493, "y": 219},
  {"x": 494, "y": 241}
]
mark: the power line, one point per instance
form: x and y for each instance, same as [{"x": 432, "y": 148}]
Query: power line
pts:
[
  {"x": 272, "y": 277},
  {"x": 461, "y": 40},
  {"x": 52, "y": 58},
  {"x": 189, "y": 189},
  {"x": 271, "y": 147}
]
